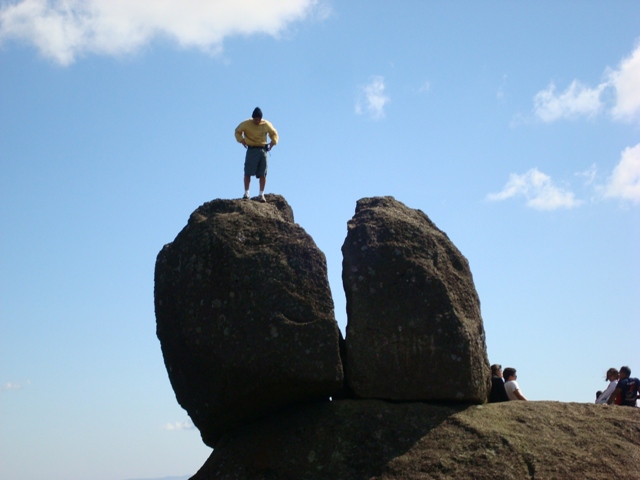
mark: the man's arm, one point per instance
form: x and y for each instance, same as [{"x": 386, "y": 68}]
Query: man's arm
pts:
[
  {"x": 239, "y": 133},
  {"x": 273, "y": 135},
  {"x": 519, "y": 395}
]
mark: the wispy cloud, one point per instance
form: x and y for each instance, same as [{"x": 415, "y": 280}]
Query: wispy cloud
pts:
[
  {"x": 538, "y": 190},
  {"x": 579, "y": 100},
  {"x": 10, "y": 386},
  {"x": 589, "y": 174},
  {"x": 372, "y": 99},
  {"x": 624, "y": 182},
  {"x": 65, "y": 29},
  {"x": 618, "y": 96},
  {"x": 425, "y": 87},
  {"x": 542, "y": 194},
  {"x": 186, "y": 425}
]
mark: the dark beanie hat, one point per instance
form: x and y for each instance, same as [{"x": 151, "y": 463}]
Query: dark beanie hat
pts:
[{"x": 257, "y": 113}]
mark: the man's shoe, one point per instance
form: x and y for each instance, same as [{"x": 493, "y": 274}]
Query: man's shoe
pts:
[
  {"x": 261, "y": 198},
  {"x": 245, "y": 196}
]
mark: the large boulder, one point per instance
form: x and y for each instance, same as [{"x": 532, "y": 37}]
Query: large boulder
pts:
[
  {"x": 245, "y": 315},
  {"x": 414, "y": 328}
]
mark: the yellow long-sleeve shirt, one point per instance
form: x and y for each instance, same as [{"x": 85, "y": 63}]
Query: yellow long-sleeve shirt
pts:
[{"x": 256, "y": 135}]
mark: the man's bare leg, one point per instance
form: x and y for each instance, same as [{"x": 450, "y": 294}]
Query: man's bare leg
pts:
[
  {"x": 247, "y": 182},
  {"x": 263, "y": 182}
]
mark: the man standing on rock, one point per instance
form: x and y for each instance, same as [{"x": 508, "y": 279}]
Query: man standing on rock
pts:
[{"x": 252, "y": 134}]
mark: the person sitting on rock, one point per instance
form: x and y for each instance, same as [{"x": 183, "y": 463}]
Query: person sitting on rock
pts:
[
  {"x": 498, "y": 392},
  {"x": 612, "y": 376},
  {"x": 628, "y": 389},
  {"x": 511, "y": 386}
]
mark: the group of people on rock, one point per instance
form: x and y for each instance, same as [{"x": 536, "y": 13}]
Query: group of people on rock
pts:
[
  {"x": 504, "y": 385},
  {"x": 623, "y": 389}
]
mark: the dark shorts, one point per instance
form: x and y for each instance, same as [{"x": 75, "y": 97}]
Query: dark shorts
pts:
[{"x": 255, "y": 162}]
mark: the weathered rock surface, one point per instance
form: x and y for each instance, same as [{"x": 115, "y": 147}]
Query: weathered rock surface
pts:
[
  {"x": 246, "y": 325},
  {"x": 414, "y": 327},
  {"x": 245, "y": 315},
  {"x": 372, "y": 439}
]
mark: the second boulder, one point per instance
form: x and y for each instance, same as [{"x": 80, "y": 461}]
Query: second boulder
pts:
[{"x": 414, "y": 328}]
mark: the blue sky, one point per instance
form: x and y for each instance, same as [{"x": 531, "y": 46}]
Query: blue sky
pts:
[{"x": 514, "y": 126}]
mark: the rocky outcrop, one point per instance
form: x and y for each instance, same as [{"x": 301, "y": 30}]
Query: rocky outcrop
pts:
[
  {"x": 376, "y": 440},
  {"x": 246, "y": 325},
  {"x": 245, "y": 315},
  {"x": 414, "y": 328}
]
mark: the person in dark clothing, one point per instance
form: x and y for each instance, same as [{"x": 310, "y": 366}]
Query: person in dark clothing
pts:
[
  {"x": 498, "y": 392},
  {"x": 628, "y": 389}
]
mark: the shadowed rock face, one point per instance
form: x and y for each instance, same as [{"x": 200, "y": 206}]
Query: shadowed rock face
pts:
[
  {"x": 373, "y": 439},
  {"x": 245, "y": 315},
  {"x": 414, "y": 327}
]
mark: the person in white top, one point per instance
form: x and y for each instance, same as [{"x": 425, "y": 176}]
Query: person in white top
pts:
[
  {"x": 612, "y": 376},
  {"x": 511, "y": 386}
]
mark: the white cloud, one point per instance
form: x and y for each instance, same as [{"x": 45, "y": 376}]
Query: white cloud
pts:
[
  {"x": 186, "y": 425},
  {"x": 626, "y": 81},
  {"x": 538, "y": 189},
  {"x": 580, "y": 100},
  {"x": 624, "y": 182},
  {"x": 372, "y": 98},
  {"x": 576, "y": 100},
  {"x": 64, "y": 29}
]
